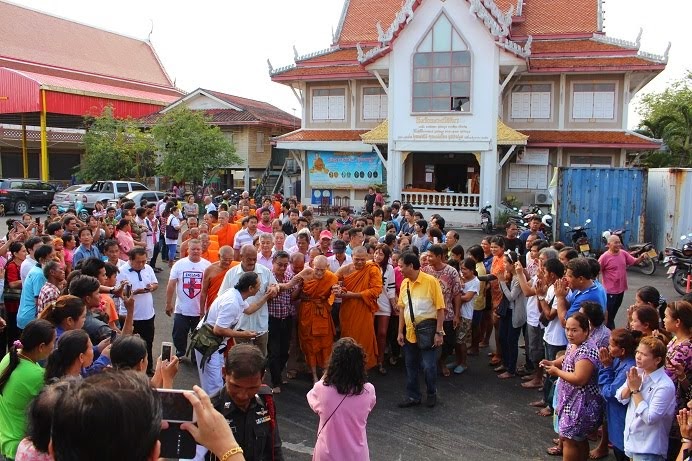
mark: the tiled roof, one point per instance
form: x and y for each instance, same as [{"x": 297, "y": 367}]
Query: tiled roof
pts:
[
  {"x": 36, "y": 37},
  {"x": 258, "y": 110},
  {"x": 603, "y": 139},
  {"x": 321, "y": 135},
  {"x": 61, "y": 84},
  {"x": 554, "y": 17},
  {"x": 547, "y": 47},
  {"x": 361, "y": 17},
  {"x": 347, "y": 55},
  {"x": 592, "y": 64},
  {"x": 325, "y": 72}
]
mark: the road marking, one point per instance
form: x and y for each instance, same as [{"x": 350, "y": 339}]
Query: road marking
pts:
[{"x": 297, "y": 447}]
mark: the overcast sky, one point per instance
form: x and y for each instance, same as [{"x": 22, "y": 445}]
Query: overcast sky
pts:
[{"x": 224, "y": 45}]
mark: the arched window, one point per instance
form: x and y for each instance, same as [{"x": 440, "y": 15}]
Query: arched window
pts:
[{"x": 442, "y": 70}]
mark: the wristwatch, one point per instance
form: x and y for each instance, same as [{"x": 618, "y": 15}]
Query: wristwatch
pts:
[
  {"x": 541, "y": 298},
  {"x": 635, "y": 391},
  {"x": 441, "y": 332}
]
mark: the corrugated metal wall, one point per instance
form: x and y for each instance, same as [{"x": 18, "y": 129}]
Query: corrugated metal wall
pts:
[
  {"x": 668, "y": 211},
  {"x": 611, "y": 197}
]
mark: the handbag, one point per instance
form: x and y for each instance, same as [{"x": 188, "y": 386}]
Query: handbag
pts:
[
  {"x": 171, "y": 232},
  {"x": 501, "y": 309},
  {"x": 204, "y": 341},
  {"x": 425, "y": 330},
  {"x": 11, "y": 294}
]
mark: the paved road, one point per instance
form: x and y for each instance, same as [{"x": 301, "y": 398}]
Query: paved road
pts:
[{"x": 478, "y": 416}]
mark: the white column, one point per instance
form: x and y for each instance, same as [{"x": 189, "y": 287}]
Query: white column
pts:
[
  {"x": 490, "y": 186},
  {"x": 395, "y": 175}
]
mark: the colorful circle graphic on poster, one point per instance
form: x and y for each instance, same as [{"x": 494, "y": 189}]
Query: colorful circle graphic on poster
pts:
[{"x": 346, "y": 170}]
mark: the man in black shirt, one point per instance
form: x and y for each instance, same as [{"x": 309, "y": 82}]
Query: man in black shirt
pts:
[
  {"x": 248, "y": 406},
  {"x": 512, "y": 242}
]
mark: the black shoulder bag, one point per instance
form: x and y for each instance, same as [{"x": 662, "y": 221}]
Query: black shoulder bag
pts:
[{"x": 425, "y": 330}]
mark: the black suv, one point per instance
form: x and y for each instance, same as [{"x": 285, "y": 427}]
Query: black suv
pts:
[{"x": 20, "y": 195}]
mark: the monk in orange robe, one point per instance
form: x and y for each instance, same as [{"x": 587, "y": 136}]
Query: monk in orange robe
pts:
[
  {"x": 315, "y": 325},
  {"x": 225, "y": 230},
  {"x": 361, "y": 288},
  {"x": 213, "y": 277}
]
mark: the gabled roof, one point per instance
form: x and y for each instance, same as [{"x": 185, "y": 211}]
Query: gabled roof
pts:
[
  {"x": 236, "y": 111},
  {"x": 593, "y": 139},
  {"x": 359, "y": 20},
  {"x": 556, "y": 17},
  {"x": 594, "y": 64},
  {"x": 45, "y": 40}
]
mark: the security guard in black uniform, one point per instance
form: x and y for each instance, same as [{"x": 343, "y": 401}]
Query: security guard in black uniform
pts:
[{"x": 248, "y": 406}]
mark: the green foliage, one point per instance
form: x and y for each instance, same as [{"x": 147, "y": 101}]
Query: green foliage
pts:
[
  {"x": 191, "y": 149},
  {"x": 115, "y": 149},
  {"x": 668, "y": 116}
]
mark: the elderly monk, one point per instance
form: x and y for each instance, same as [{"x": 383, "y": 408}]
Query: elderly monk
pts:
[
  {"x": 207, "y": 252},
  {"x": 213, "y": 277},
  {"x": 361, "y": 288},
  {"x": 225, "y": 230},
  {"x": 315, "y": 325}
]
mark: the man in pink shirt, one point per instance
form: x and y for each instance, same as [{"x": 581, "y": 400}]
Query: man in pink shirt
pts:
[
  {"x": 265, "y": 224},
  {"x": 614, "y": 264}
]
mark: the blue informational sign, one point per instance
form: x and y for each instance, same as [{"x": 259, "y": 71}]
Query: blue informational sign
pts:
[{"x": 344, "y": 170}]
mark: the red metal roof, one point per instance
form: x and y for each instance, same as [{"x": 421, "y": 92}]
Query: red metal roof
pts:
[
  {"x": 346, "y": 55},
  {"x": 592, "y": 64},
  {"x": 321, "y": 135},
  {"x": 39, "y": 38},
  {"x": 595, "y": 139},
  {"x": 74, "y": 97}
]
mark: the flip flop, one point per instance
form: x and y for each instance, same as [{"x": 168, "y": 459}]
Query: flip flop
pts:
[
  {"x": 459, "y": 369},
  {"x": 554, "y": 451}
]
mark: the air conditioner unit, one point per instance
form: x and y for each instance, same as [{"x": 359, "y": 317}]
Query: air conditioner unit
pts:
[{"x": 542, "y": 198}]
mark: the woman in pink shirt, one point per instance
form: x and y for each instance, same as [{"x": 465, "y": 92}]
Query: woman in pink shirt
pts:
[
  {"x": 124, "y": 238},
  {"x": 343, "y": 400}
]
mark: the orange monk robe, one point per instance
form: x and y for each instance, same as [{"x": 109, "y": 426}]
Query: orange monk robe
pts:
[
  {"x": 211, "y": 255},
  {"x": 215, "y": 284},
  {"x": 227, "y": 234},
  {"x": 315, "y": 325},
  {"x": 357, "y": 316}
]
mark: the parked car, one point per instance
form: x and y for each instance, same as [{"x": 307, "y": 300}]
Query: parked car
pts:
[
  {"x": 104, "y": 191},
  {"x": 20, "y": 195},
  {"x": 67, "y": 196},
  {"x": 137, "y": 196}
]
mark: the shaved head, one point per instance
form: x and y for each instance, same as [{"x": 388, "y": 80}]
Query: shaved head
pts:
[
  {"x": 359, "y": 250},
  {"x": 226, "y": 252},
  {"x": 320, "y": 262},
  {"x": 248, "y": 250}
]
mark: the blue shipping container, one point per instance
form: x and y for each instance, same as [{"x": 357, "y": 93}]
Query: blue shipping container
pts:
[{"x": 613, "y": 198}]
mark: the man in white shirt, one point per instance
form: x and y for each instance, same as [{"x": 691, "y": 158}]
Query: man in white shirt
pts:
[
  {"x": 266, "y": 254},
  {"x": 185, "y": 283},
  {"x": 143, "y": 281},
  {"x": 209, "y": 204},
  {"x": 245, "y": 236},
  {"x": 29, "y": 262},
  {"x": 255, "y": 317}
]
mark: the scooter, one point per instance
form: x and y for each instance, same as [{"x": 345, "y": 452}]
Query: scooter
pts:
[
  {"x": 646, "y": 266},
  {"x": 580, "y": 241},
  {"x": 82, "y": 213},
  {"x": 679, "y": 264},
  {"x": 486, "y": 219}
]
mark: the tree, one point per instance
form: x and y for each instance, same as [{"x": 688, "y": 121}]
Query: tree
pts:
[
  {"x": 668, "y": 116},
  {"x": 191, "y": 148},
  {"x": 115, "y": 149}
]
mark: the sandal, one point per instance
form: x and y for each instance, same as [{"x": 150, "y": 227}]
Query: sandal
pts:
[
  {"x": 554, "y": 451},
  {"x": 445, "y": 372},
  {"x": 495, "y": 361},
  {"x": 382, "y": 370},
  {"x": 500, "y": 369},
  {"x": 545, "y": 412}
]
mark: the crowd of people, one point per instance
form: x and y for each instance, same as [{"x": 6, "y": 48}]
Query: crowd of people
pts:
[{"x": 259, "y": 293}]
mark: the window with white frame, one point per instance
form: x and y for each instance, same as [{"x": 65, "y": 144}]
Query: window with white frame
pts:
[
  {"x": 442, "y": 70},
  {"x": 593, "y": 101},
  {"x": 374, "y": 103},
  {"x": 260, "y": 142},
  {"x": 531, "y": 101},
  {"x": 590, "y": 160},
  {"x": 329, "y": 104}
]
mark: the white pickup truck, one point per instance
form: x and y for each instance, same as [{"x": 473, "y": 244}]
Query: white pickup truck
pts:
[{"x": 103, "y": 191}]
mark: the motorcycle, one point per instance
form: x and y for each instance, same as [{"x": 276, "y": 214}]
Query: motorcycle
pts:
[
  {"x": 679, "y": 264},
  {"x": 580, "y": 240},
  {"x": 546, "y": 221},
  {"x": 646, "y": 266},
  {"x": 486, "y": 219}
]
